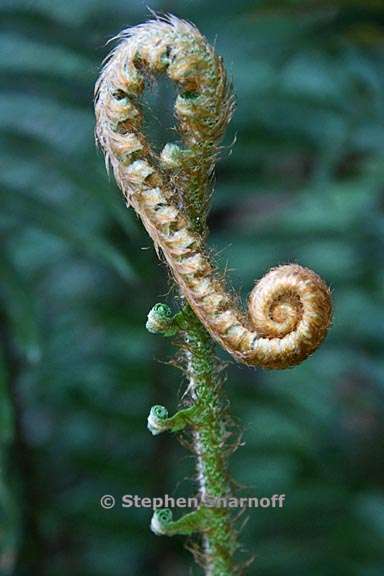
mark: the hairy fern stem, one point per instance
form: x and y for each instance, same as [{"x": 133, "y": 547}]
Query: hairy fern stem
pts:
[{"x": 210, "y": 446}]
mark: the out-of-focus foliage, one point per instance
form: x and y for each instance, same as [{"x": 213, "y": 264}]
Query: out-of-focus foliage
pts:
[{"x": 78, "y": 372}]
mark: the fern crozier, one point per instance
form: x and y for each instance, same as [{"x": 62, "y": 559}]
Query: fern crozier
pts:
[{"x": 289, "y": 309}]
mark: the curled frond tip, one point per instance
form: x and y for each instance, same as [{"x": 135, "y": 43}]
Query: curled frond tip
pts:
[{"x": 290, "y": 308}]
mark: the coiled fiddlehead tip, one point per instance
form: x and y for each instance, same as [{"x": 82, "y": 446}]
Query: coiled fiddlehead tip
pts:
[
  {"x": 161, "y": 321},
  {"x": 290, "y": 308},
  {"x": 157, "y": 416},
  {"x": 161, "y": 520}
]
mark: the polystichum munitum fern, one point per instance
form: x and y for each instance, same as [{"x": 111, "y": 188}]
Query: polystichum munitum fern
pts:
[{"x": 289, "y": 309}]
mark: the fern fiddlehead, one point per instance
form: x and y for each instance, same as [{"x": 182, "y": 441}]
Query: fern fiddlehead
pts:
[{"x": 289, "y": 309}]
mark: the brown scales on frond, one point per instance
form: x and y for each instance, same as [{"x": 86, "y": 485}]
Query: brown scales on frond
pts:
[{"x": 289, "y": 309}]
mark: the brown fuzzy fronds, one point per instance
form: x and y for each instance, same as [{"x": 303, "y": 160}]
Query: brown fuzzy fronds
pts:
[{"x": 290, "y": 308}]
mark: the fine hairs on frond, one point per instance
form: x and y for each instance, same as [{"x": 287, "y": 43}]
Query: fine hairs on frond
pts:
[{"x": 289, "y": 309}]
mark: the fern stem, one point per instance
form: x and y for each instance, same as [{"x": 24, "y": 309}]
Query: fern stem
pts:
[{"x": 209, "y": 443}]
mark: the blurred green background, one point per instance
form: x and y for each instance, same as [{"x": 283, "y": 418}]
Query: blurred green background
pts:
[{"x": 79, "y": 372}]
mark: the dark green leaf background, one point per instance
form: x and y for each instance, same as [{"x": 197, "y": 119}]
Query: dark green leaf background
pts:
[{"x": 78, "y": 371}]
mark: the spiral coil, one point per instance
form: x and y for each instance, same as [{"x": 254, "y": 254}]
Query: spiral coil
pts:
[{"x": 289, "y": 309}]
